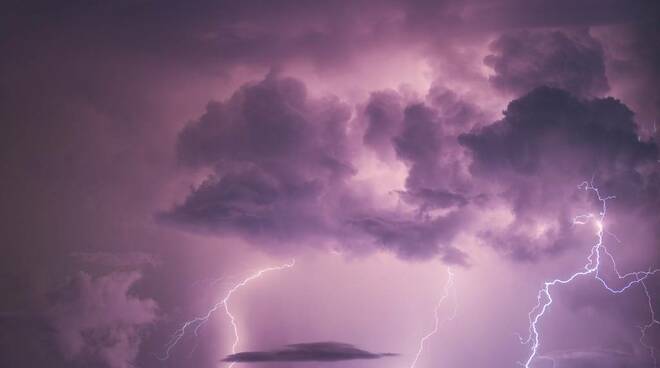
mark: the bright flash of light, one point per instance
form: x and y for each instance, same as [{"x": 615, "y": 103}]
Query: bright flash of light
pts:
[
  {"x": 591, "y": 268},
  {"x": 223, "y": 304},
  {"x": 448, "y": 289}
]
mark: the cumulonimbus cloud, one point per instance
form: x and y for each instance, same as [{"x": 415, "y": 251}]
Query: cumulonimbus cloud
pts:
[
  {"x": 536, "y": 153},
  {"x": 282, "y": 162}
]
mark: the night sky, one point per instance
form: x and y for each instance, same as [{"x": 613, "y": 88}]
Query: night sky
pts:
[{"x": 389, "y": 166}]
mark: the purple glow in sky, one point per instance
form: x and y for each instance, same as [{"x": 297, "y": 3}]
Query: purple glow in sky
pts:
[{"x": 164, "y": 162}]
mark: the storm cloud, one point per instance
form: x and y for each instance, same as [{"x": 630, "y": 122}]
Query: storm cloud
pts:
[
  {"x": 282, "y": 162},
  {"x": 546, "y": 137},
  {"x": 573, "y": 61},
  {"x": 155, "y": 153}
]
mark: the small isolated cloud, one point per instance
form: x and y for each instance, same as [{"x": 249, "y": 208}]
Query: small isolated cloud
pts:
[{"x": 307, "y": 352}]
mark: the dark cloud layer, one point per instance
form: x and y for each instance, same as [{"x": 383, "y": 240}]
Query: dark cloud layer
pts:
[
  {"x": 524, "y": 60},
  {"x": 307, "y": 352}
]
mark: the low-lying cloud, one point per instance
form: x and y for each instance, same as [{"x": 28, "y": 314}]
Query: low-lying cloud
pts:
[{"x": 307, "y": 352}]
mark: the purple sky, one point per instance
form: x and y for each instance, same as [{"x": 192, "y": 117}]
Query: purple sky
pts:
[{"x": 157, "y": 153}]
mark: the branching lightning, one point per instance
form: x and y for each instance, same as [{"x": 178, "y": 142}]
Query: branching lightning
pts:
[
  {"x": 592, "y": 267},
  {"x": 196, "y": 323},
  {"x": 448, "y": 289}
]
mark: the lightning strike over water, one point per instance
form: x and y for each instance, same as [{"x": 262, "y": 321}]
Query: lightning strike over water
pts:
[
  {"x": 448, "y": 289},
  {"x": 198, "y": 322},
  {"x": 592, "y": 267}
]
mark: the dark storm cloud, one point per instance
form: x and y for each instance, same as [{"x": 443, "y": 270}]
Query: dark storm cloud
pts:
[
  {"x": 534, "y": 155},
  {"x": 270, "y": 122},
  {"x": 276, "y": 154},
  {"x": 524, "y": 60},
  {"x": 281, "y": 162},
  {"x": 307, "y": 352},
  {"x": 550, "y": 129}
]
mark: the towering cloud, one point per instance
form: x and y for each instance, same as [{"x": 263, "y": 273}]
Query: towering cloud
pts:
[
  {"x": 546, "y": 143},
  {"x": 280, "y": 162}
]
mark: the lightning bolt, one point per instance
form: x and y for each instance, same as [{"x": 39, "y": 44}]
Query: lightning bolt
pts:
[
  {"x": 653, "y": 321},
  {"x": 448, "y": 288},
  {"x": 592, "y": 267},
  {"x": 196, "y": 323}
]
